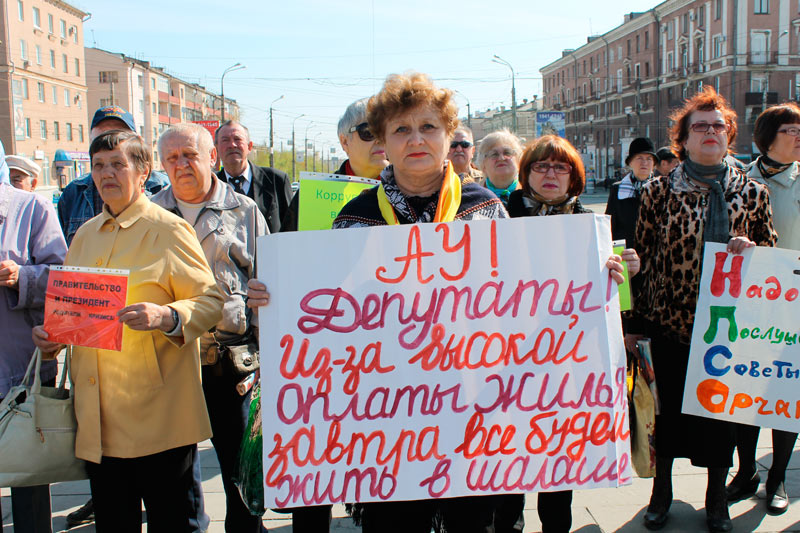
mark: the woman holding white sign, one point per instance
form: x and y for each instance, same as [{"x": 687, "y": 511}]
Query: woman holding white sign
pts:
[
  {"x": 415, "y": 121},
  {"x": 702, "y": 200},
  {"x": 552, "y": 177},
  {"x": 777, "y": 135},
  {"x": 141, "y": 411}
]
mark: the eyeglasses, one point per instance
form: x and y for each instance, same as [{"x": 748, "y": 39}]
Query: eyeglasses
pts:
[
  {"x": 792, "y": 132},
  {"x": 505, "y": 154},
  {"x": 703, "y": 127},
  {"x": 462, "y": 144},
  {"x": 558, "y": 168},
  {"x": 363, "y": 132}
]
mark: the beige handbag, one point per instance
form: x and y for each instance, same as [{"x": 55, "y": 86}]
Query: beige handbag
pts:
[{"x": 37, "y": 431}]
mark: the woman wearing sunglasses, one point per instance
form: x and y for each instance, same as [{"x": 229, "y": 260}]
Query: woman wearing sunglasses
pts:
[
  {"x": 498, "y": 157},
  {"x": 551, "y": 177},
  {"x": 702, "y": 200},
  {"x": 777, "y": 136}
]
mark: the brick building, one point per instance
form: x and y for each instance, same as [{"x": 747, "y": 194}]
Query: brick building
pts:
[
  {"x": 42, "y": 84},
  {"x": 155, "y": 98},
  {"x": 624, "y": 83}
]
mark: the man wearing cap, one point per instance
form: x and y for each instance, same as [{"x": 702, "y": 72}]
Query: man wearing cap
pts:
[
  {"x": 23, "y": 172},
  {"x": 667, "y": 160},
  {"x": 80, "y": 200},
  {"x": 462, "y": 150},
  {"x": 271, "y": 189}
]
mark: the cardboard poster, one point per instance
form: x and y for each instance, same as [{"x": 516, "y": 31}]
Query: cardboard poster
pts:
[
  {"x": 441, "y": 360},
  {"x": 322, "y": 196},
  {"x": 81, "y": 306},
  {"x": 744, "y": 363}
]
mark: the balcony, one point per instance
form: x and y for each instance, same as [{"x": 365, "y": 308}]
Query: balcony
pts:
[
  {"x": 762, "y": 58},
  {"x": 163, "y": 97},
  {"x": 757, "y": 98}
]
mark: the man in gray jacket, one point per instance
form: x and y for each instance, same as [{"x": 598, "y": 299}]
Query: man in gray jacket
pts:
[{"x": 227, "y": 225}]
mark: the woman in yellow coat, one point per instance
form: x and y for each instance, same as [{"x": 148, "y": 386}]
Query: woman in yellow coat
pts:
[{"x": 141, "y": 411}]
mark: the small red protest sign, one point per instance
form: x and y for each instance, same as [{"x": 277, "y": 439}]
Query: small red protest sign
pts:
[{"x": 81, "y": 306}]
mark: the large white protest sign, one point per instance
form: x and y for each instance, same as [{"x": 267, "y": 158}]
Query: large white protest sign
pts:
[
  {"x": 441, "y": 360},
  {"x": 744, "y": 363}
]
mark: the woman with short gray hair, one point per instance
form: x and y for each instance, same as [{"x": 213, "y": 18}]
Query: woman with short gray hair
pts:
[{"x": 498, "y": 158}]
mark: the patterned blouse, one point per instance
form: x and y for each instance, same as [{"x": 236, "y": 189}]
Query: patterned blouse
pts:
[{"x": 669, "y": 240}]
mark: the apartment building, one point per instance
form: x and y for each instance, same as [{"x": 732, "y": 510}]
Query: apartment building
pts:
[
  {"x": 155, "y": 98},
  {"x": 42, "y": 86},
  {"x": 624, "y": 83}
]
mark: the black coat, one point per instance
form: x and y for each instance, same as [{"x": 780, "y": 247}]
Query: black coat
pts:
[
  {"x": 624, "y": 214},
  {"x": 272, "y": 191}
]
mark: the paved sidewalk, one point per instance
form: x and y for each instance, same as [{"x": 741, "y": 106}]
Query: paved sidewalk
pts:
[{"x": 603, "y": 510}]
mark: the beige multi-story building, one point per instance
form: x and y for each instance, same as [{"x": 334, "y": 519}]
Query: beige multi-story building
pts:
[
  {"x": 42, "y": 86},
  {"x": 624, "y": 83},
  {"x": 155, "y": 98}
]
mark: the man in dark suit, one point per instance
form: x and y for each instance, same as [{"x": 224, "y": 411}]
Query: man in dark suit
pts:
[{"x": 271, "y": 189}]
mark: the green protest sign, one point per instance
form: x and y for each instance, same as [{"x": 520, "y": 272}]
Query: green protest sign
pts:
[
  {"x": 322, "y": 196},
  {"x": 625, "y": 288}
]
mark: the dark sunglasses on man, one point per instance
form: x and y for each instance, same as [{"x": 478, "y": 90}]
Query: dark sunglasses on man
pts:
[
  {"x": 363, "y": 132},
  {"x": 462, "y": 144}
]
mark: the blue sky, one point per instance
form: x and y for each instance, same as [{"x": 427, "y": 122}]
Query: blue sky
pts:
[{"x": 322, "y": 55}]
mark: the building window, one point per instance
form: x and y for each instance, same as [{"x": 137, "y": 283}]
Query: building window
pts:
[
  {"x": 670, "y": 62},
  {"x": 155, "y": 111},
  {"x": 637, "y": 44},
  {"x": 761, "y": 7},
  {"x": 628, "y": 47},
  {"x": 637, "y": 69},
  {"x": 611, "y": 56},
  {"x": 38, "y": 51},
  {"x": 62, "y": 26},
  {"x": 55, "y": 95},
  {"x": 141, "y": 80},
  {"x": 758, "y": 84},
  {"x": 670, "y": 30},
  {"x": 37, "y": 18},
  {"x": 716, "y": 83},
  {"x": 75, "y": 34},
  {"x": 40, "y": 88},
  {"x": 141, "y": 106},
  {"x": 28, "y": 128},
  {"x": 25, "y": 88},
  {"x": 50, "y": 28},
  {"x": 619, "y": 80},
  {"x": 685, "y": 23},
  {"x": 65, "y": 62},
  {"x": 56, "y": 131},
  {"x": 647, "y": 70},
  {"x": 20, "y": 10},
  {"x": 80, "y": 132},
  {"x": 43, "y": 129},
  {"x": 23, "y": 49},
  {"x": 52, "y": 59},
  {"x": 759, "y": 50},
  {"x": 717, "y": 46},
  {"x": 66, "y": 97},
  {"x": 77, "y": 67},
  {"x": 701, "y": 16},
  {"x": 646, "y": 40},
  {"x": 717, "y": 9},
  {"x": 69, "y": 131}
]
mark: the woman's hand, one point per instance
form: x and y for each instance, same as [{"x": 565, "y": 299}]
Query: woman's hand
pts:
[
  {"x": 738, "y": 245},
  {"x": 631, "y": 340},
  {"x": 147, "y": 316},
  {"x": 9, "y": 273},
  {"x": 614, "y": 265},
  {"x": 257, "y": 295},
  {"x": 630, "y": 256},
  {"x": 49, "y": 349}
]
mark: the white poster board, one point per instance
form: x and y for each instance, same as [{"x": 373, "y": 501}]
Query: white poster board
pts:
[
  {"x": 440, "y": 360},
  {"x": 744, "y": 363}
]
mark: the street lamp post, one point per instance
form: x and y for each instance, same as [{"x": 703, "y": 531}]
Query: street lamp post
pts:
[
  {"x": 469, "y": 113},
  {"x": 237, "y": 66},
  {"x": 305, "y": 147},
  {"x": 501, "y": 61},
  {"x": 294, "y": 157},
  {"x": 271, "y": 145}
]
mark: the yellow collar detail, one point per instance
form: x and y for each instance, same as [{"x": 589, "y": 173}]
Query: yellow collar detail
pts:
[{"x": 446, "y": 208}]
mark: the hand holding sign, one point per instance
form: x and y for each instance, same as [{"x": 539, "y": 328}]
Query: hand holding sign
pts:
[{"x": 147, "y": 316}]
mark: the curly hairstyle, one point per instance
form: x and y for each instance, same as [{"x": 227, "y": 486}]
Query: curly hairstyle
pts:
[
  {"x": 706, "y": 100},
  {"x": 402, "y": 93},
  {"x": 559, "y": 149},
  {"x": 769, "y": 121}
]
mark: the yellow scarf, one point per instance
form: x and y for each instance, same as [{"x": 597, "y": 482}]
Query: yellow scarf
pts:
[{"x": 446, "y": 208}]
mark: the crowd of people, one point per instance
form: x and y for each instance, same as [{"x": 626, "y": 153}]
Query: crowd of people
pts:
[{"x": 190, "y": 343}]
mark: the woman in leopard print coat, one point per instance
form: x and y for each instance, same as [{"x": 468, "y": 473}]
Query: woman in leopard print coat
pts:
[{"x": 703, "y": 199}]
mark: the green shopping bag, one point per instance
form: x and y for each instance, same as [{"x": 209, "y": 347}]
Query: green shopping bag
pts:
[{"x": 249, "y": 476}]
